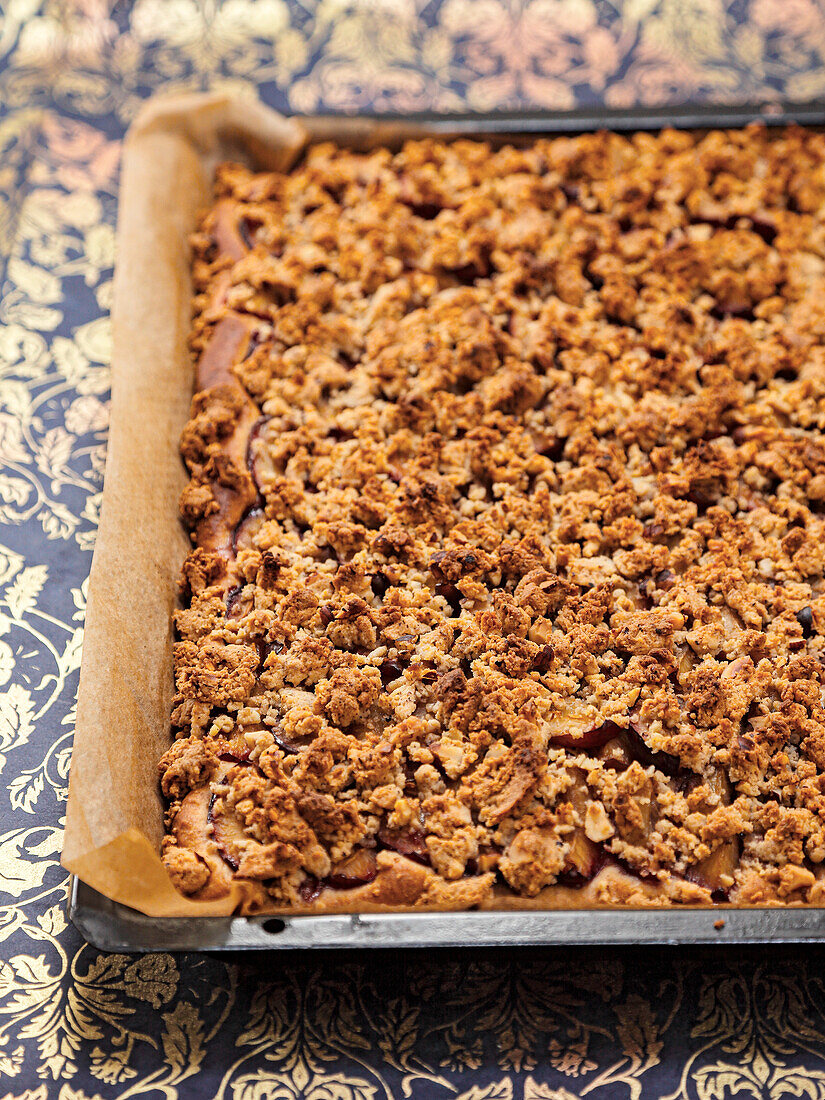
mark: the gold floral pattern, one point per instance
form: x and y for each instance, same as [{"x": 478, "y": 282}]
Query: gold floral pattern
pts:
[
  {"x": 78, "y": 1024},
  {"x": 103, "y": 58}
]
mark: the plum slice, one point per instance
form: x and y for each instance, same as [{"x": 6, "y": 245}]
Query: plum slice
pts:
[
  {"x": 252, "y": 460},
  {"x": 229, "y": 232},
  {"x": 584, "y": 860},
  {"x": 293, "y": 697},
  {"x": 359, "y": 869},
  {"x": 235, "y": 756},
  {"x": 596, "y": 737},
  {"x": 687, "y": 663},
  {"x": 264, "y": 649},
  {"x": 451, "y": 594},
  {"x": 716, "y": 871},
  {"x": 356, "y": 870},
  {"x": 248, "y": 226},
  {"x": 584, "y": 857},
  {"x": 646, "y": 756},
  {"x": 227, "y": 829},
  {"x": 228, "y": 833},
  {"x": 588, "y": 737},
  {"x": 410, "y": 785},
  {"x": 217, "y": 530},
  {"x": 310, "y": 889},
  {"x": 579, "y": 726},
  {"x": 250, "y": 524},
  {"x": 285, "y": 743},
  {"x": 233, "y": 601},
  {"x": 391, "y": 670},
  {"x": 633, "y": 739},
  {"x": 614, "y": 755},
  {"x": 230, "y": 343},
  {"x": 291, "y": 745},
  {"x": 731, "y": 620},
  {"x": 407, "y": 842}
]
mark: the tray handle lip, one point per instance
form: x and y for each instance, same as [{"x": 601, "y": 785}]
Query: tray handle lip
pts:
[
  {"x": 686, "y": 115},
  {"x": 110, "y": 926}
]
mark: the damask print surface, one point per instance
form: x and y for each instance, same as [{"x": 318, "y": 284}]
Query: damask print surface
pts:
[
  {"x": 102, "y": 58},
  {"x": 78, "y": 1024}
]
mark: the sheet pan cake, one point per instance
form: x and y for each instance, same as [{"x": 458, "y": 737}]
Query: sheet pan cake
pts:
[{"x": 506, "y": 503}]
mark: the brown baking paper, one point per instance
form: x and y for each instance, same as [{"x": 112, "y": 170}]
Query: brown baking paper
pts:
[{"x": 114, "y": 820}]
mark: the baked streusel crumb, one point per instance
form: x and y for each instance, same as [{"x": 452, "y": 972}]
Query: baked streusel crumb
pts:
[{"x": 507, "y": 494}]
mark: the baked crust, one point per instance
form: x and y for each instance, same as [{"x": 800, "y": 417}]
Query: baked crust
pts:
[{"x": 506, "y": 500}]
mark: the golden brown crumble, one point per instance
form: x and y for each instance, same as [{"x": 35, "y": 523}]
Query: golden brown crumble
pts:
[{"x": 507, "y": 495}]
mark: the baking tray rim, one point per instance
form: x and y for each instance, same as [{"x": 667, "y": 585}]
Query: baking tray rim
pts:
[
  {"x": 112, "y": 926},
  {"x": 515, "y": 123}
]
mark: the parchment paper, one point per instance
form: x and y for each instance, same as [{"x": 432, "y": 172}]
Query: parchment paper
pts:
[{"x": 114, "y": 820}]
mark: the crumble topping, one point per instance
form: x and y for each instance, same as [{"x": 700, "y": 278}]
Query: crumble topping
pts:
[{"x": 507, "y": 494}]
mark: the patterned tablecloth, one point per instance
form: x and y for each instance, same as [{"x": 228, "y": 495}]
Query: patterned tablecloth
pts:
[{"x": 76, "y": 1023}]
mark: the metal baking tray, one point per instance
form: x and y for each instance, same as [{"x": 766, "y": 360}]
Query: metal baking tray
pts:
[
  {"x": 114, "y": 927},
  {"x": 111, "y": 926}
]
